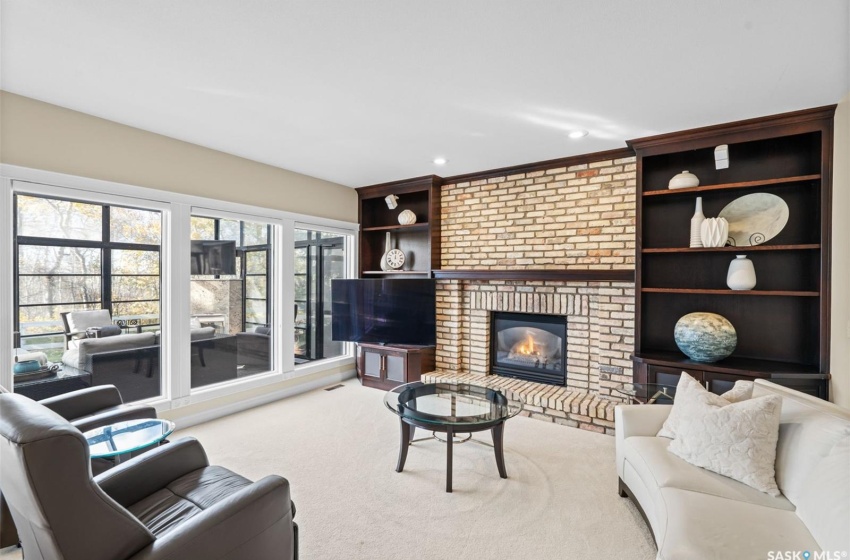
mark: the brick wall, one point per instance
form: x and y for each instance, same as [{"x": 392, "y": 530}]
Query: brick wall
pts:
[
  {"x": 578, "y": 217},
  {"x": 581, "y": 216}
]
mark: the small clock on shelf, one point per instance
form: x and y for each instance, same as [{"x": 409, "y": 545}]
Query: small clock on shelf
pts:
[{"x": 395, "y": 259}]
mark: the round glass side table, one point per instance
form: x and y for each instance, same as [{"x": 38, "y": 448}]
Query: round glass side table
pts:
[
  {"x": 647, "y": 393},
  {"x": 120, "y": 439}
]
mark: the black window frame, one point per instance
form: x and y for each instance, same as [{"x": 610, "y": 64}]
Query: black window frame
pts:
[
  {"x": 315, "y": 245},
  {"x": 242, "y": 251},
  {"x": 105, "y": 246}
]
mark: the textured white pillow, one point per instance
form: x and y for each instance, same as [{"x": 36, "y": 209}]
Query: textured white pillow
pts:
[
  {"x": 737, "y": 440},
  {"x": 741, "y": 391},
  {"x": 688, "y": 389}
]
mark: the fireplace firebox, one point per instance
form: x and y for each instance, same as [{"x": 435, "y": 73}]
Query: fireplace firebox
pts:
[{"x": 529, "y": 346}]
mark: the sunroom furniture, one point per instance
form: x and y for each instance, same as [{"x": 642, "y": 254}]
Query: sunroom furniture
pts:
[
  {"x": 695, "y": 513},
  {"x": 80, "y": 325},
  {"x": 166, "y": 503},
  {"x": 254, "y": 348}
]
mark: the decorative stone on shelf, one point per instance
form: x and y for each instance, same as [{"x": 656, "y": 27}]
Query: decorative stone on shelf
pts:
[
  {"x": 407, "y": 218},
  {"x": 683, "y": 180},
  {"x": 705, "y": 337},
  {"x": 714, "y": 232}
]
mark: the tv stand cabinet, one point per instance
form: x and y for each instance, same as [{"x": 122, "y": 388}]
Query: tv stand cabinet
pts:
[{"x": 385, "y": 366}]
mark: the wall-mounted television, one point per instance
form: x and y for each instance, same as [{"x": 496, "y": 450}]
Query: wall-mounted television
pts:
[
  {"x": 214, "y": 257},
  {"x": 388, "y": 311}
]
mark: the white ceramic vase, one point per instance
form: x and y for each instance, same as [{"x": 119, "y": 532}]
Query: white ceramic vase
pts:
[
  {"x": 388, "y": 245},
  {"x": 742, "y": 274},
  {"x": 683, "y": 180},
  {"x": 714, "y": 232},
  {"x": 407, "y": 218},
  {"x": 696, "y": 224}
]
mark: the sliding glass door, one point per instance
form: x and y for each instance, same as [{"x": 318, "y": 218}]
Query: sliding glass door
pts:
[{"x": 319, "y": 259}]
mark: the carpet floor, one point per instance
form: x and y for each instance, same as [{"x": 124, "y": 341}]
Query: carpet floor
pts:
[{"x": 339, "y": 448}]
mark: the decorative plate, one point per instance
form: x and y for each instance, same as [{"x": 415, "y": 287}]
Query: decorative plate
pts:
[
  {"x": 46, "y": 371},
  {"x": 755, "y": 218}
]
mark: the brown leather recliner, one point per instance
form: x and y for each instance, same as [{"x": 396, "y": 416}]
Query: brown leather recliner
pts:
[{"x": 168, "y": 503}]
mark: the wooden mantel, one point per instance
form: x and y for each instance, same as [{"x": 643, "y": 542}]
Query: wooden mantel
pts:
[{"x": 530, "y": 274}]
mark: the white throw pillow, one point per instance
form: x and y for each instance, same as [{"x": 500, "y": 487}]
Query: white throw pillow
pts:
[
  {"x": 741, "y": 391},
  {"x": 737, "y": 440},
  {"x": 689, "y": 389}
]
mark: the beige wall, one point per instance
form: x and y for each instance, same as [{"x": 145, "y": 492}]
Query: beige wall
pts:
[
  {"x": 43, "y": 136},
  {"x": 840, "y": 348}
]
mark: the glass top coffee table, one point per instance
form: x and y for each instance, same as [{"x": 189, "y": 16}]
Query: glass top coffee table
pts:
[
  {"x": 123, "y": 438},
  {"x": 450, "y": 408}
]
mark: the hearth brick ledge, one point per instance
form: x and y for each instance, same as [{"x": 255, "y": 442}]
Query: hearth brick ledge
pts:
[{"x": 550, "y": 403}]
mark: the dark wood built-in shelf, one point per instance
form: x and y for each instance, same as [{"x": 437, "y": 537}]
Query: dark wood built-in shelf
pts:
[
  {"x": 782, "y": 325},
  {"x": 585, "y": 275},
  {"x": 683, "y": 250},
  {"x": 732, "y": 364},
  {"x": 728, "y": 292},
  {"x": 388, "y": 272},
  {"x": 411, "y": 227},
  {"x": 730, "y": 186},
  {"x": 420, "y": 242}
]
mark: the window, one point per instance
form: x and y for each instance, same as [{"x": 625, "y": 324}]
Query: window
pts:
[
  {"x": 99, "y": 249},
  {"x": 231, "y": 330},
  {"x": 319, "y": 259},
  {"x": 73, "y": 256}
]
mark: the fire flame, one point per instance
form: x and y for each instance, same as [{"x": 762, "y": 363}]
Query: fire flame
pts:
[{"x": 526, "y": 348}]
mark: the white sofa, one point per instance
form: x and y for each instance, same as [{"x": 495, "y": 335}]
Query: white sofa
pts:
[{"x": 695, "y": 513}]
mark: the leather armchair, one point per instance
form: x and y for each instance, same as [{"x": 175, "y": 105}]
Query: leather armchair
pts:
[
  {"x": 94, "y": 407},
  {"x": 168, "y": 503},
  {"x": 86, "y": 409}
]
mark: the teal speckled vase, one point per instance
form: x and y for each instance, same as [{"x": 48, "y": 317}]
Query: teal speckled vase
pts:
[{"x": 705, "y": 337}]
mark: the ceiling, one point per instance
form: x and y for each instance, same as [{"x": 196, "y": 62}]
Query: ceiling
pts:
[{"x": 361, "y": 92}]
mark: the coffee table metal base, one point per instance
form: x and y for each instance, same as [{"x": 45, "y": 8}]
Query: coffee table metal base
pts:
[{"x": 408, "y": 429}]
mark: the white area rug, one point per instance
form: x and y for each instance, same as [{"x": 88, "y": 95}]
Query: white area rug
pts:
[{"x": 339, "y": 449}]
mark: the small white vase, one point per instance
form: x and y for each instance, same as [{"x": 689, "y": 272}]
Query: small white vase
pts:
[
  {"x": 387, "y": 248},
  {"x": 407, "y": 218},
  {"x": 696, "y": 224},
  {"x": 714, "y": 232},
  {"x": 683, "y": 180},
  {"x": 742, "y": 274}
]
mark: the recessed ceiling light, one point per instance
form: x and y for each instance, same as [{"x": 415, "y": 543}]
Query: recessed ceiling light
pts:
[
  {"x": 440, "y": 161},
  {"x": 577, "y": 134}
]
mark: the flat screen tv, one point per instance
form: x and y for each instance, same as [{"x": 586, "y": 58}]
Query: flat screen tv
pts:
[
  {"x": 213, "y": 257},
  {"x": 388, "y": 311}
]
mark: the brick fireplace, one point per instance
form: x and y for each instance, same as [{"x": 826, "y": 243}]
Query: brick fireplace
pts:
[
  {"x": 530, "y": 346},
  {"x": 580, "y": 217}
]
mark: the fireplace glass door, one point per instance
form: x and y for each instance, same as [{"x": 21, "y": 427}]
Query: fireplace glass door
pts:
[{"x": 529, "y": 346}]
